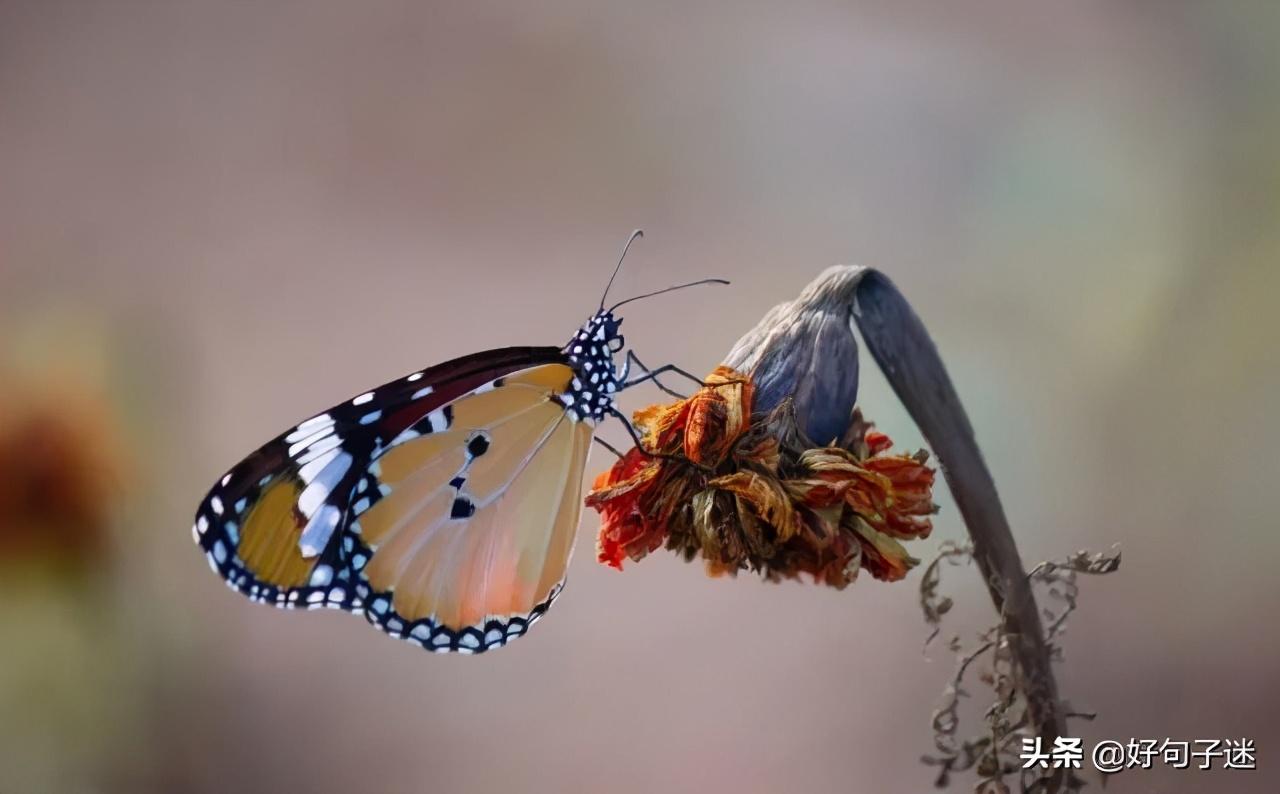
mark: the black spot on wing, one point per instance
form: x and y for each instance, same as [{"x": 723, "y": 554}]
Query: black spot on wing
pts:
[
  {"x": 478, "y": 445},
  {"x": 462, "y": 508}
]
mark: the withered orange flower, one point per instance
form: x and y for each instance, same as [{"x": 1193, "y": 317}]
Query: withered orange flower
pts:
[
  {"x": 755, "y": 494},
  {"x": 60, "y": 471}
]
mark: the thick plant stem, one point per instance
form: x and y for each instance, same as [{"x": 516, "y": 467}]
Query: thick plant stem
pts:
[
  {"x": 804, "y": 351},
  {"x": 902, "y": 347}
]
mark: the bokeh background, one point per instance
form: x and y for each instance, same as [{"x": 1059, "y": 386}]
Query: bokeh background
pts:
[{"x": 219, "y": 218}]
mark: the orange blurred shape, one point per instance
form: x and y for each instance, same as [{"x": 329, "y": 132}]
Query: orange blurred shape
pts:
[{"x": 60, "y": 474}]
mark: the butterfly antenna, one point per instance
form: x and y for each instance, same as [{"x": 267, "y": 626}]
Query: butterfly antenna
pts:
[
  {"x": 634, "y": 236},
  {"x": 669, "y": 289}
]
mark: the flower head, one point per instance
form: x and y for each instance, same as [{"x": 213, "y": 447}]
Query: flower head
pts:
[{"x": 749, "y": 491}]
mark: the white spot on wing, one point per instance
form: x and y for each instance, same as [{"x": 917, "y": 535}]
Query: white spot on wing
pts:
[
  {"x": 302, "y": 443},
  {"x": 315, "y": 535},
  {"x": 310, "y": 426},
  {"x": 321, "y": 576},
  {"x": 437, "y": 420},
  {"x": 362, "y": 399},
  {"x": 420, "y": 393},
  {"x": 319, "y": 448},
  {"x": 408, "y": 434},
  {"x": 313, "y": 467},
  {"x": 323, "y": 482}
]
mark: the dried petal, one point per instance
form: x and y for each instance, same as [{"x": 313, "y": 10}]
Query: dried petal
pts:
[
  {"x": 882, "y": 556},
  {"x": 717, "y": 416},
  {"x": 748, "y": 492},
  {"x": 765, "y": 497}
]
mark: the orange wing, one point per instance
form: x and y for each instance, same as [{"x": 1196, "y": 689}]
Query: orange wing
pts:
[
  {"x": 443, "y": 509},
  {"x": 470, "y": 538}
]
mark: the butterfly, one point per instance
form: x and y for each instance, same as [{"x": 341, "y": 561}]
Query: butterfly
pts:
[{"x": 442, "y": 506}]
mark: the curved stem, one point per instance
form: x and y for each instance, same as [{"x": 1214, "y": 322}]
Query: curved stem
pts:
[{"x": 902, "y": 347}]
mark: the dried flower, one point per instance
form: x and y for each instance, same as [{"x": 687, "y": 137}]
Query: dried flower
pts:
[
  {"x": 58, "y": 470},
  {"x": 763, "y": 494},
  {"x": 748, "y": 491}
]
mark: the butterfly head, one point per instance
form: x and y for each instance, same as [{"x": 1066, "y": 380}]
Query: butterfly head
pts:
[{"x": 596, "y": 377}]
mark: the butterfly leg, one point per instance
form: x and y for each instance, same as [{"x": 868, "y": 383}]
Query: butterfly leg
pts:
[
  {"x": 652, "y": 374},
  {"x": 607, "y": 446},
  {"x": 635, "y": 439}
]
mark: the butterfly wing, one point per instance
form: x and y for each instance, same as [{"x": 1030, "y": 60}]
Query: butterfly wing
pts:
[{"x": 442, "y": 505}]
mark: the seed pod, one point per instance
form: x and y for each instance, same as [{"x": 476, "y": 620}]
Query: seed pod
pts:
[{"x": 805, "y": 350}]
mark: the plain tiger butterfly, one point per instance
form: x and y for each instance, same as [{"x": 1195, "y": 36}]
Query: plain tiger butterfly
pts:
[{"x": 442, "y": 506}]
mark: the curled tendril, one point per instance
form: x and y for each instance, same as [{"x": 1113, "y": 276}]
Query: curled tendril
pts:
[{"x": 993, "y": 753}]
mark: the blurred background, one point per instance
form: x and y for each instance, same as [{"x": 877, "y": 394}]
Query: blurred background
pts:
[{"x": 217, "y": 219}]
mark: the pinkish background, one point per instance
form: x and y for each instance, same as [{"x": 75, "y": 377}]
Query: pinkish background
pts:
[{"x": 219, "y": 218}]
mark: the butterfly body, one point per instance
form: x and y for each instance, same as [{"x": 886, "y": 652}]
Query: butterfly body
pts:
[
  {"x": 442, "y": 505},
  {"x": 596, "y": 376}
]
